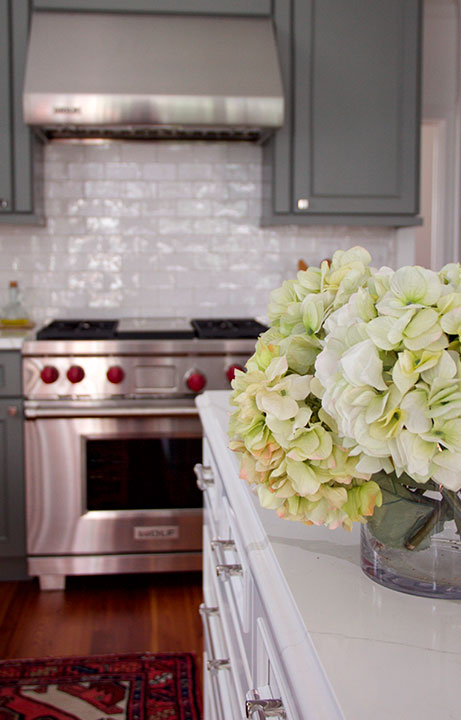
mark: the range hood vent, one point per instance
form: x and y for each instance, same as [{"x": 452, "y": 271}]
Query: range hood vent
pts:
[{"x": 152, "y": 76}]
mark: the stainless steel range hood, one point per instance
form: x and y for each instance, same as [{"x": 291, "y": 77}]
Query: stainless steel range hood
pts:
[{"x": 138, "y": 75}]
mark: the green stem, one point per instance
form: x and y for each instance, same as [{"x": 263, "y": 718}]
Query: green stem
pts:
[
  {"x": 454, "y": 502},
  {"x": 435, "y": 517}
]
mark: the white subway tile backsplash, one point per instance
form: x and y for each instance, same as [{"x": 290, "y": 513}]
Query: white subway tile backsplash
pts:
[
  {"x": 215, "y": 190},
  {"x": 158, "y": 171},
  {"x": 83, "y": 171},
  {"x": 55, "y": 170},
  {"x": 135, "y": 189},
  {"x": 175, "y": 226},
  {"x": 103, "y": 189},
  {"x": 63, "y": 189},
  {"x": 102, "y": 224},
  {"x": 123, "y": 170},
  {"x": 195, "y": 171},
  {"x": 161, "y": 228},
  {"x": 234, "y": 208},
  {"x": 58, "y": 225},
  {"x": 212, "y": 226},
  {"x": 177, "y": 190},
  {"x": 200, "y": 208},
  {"x": 244, "y": 190}
]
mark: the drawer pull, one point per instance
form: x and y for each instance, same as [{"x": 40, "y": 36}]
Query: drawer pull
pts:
[
  {"x": 224, "y": 544},
  {"x": 207, "y": 611},
  {"x": 204, "y": 476},
  {"x": 215, "y": 665},
  {"x": 225, "y": 571},
  {"x": 265, "y": 708}
]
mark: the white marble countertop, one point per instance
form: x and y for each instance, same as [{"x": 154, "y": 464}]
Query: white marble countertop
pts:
[
  {"x": 14, "y": 339},
  {"x": 383, "y": 654}
]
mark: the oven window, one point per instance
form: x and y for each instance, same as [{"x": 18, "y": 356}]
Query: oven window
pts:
[{"x": 142, "y": 473}]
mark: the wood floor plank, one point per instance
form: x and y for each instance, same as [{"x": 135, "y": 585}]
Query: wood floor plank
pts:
[{"x": 105, "y": 614}]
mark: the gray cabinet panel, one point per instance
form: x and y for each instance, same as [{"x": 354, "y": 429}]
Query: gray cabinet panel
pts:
[
  {"x": 10, "y": 373},
  {"x": 349, "y": 152},
  {"x": 214, "y": 7},
  {"x": 12, "y": 520},
  {"x": 22, "y": 135},
  {"x": 5, "y": 126},
  {"x": 281, "y": 148},
  {"x": 12, "y": 503}
]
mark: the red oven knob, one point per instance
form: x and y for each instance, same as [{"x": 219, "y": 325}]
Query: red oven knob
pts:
[
  {"x": 195, "y": 380},
  {"x": 230, "y": 371},
  {"x": 49, "y": 374},
  {"x": 75, "y": 374},
  {"x": 115, "y": 374}
]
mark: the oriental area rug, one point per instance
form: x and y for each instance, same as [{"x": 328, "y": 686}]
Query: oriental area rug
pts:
[{"x": 137, "y": 686}]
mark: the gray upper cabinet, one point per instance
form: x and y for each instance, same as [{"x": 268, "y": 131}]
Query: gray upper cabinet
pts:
[
  {"x": 17, "y": 145},
  {"x": 349, "y": 149}
]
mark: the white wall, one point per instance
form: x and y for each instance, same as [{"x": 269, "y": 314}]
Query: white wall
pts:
[{"x": 161, "y": 228}]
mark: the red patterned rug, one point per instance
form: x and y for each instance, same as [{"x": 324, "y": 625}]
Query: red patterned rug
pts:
[{"x": 138, "y": 686}]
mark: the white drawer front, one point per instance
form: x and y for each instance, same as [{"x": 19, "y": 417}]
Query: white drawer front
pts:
[
  {"x": 222, "y": 691},
  {"x": 270, "y": 682},
  {"x": 215, "y": 489},
  {"x": 237, "y": 586}
]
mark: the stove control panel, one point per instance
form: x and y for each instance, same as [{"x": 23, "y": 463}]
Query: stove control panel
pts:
[{"x": 117, "y": 376}]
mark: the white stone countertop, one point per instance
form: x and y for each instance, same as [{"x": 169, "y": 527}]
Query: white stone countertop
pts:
[
  {"x": 373, "y": 652},
  {"x": 14, "y": 339}
]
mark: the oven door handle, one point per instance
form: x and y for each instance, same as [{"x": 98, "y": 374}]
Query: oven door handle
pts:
[{"x": 32, "y": 413}]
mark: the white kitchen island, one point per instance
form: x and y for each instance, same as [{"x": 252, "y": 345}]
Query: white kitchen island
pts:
[{"x": 299, "y": 621}]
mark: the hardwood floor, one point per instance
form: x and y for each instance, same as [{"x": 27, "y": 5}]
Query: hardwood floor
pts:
[{"x": 102, "y": 614}]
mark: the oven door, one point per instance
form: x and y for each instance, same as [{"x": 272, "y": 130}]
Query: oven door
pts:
[{"x": 111, "y": 479}]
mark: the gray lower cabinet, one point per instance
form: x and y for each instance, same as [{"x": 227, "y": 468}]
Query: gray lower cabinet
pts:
[
  {"x": 18, "y": 148},
  {"x": 12, "y": 505},
  {"x": 349, "y": 148}
]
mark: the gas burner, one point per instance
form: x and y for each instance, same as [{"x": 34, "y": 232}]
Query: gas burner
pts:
[
  {"x": 217, "y": 328},
  {"x": 78, "y": 330}
]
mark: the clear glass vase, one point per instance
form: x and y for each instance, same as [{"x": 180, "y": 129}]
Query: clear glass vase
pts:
[{"x": 433, "y": 571}]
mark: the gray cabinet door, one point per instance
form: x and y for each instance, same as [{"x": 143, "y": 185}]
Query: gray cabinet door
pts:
[
  {"x": 16, "y": 141},
  {"x": 356, "y": 118},
  {"x": 12, "y": 507},
  {"x": 5, "y": 110},
  {"x": 349, "y": 150},
  {"x": 10, "y": 373}
]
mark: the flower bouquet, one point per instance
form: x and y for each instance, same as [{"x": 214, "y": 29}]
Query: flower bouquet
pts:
[{"x": 349, "y": 411}]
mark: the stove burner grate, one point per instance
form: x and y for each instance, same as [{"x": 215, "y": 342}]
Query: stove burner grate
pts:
[
  {"x": 78, "y": 330},
  {"x": 228, "y": 328}
]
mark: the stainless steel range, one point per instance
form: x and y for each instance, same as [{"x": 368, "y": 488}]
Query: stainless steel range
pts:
[{"x": 112, "y": 435}]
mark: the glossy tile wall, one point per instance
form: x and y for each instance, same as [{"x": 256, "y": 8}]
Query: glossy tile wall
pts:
[{"x": 161, "y": 228}]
